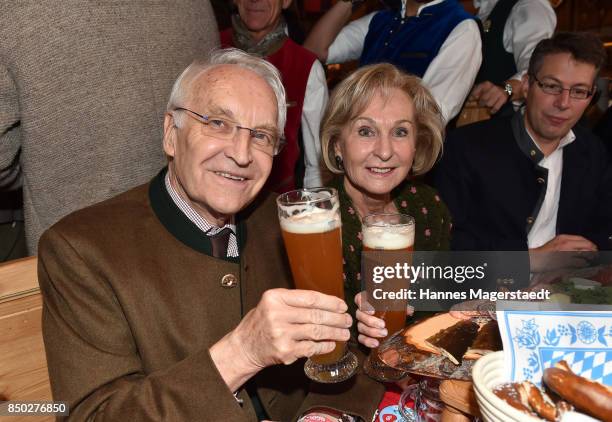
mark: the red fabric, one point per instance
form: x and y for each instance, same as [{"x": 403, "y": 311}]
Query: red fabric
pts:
[
  {"x": 294, "y": 63},
  {"x": 312, "y": 6},
  {"x": 391, "y": 397},
  {"x": 226, "y": 38},
  {"x": 388, "y": 408}
]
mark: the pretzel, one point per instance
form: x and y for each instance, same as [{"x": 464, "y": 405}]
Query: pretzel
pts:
[
  {"x": 529, "y": 399},
  {"x": 588, "y": 396},
  {"x": 539, "y": 402},
  {"x": 512, "y": 394}
]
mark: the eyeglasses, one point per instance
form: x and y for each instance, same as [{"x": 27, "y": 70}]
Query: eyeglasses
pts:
[
  {"x": 556, "y": 89},
  {"x": 222, "y": 128}
]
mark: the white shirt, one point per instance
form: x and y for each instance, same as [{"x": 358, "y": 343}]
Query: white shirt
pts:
[
  {"x": 530, "y": 21},
  {"x": 316, "y": 97},
  {"x": 545, "y": 226},
  {"x": 315, "y": 102},
  {"x": 451, "y": 73}
]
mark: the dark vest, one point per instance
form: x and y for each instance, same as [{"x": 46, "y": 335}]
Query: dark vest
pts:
[
  {"x": 497, "y": 64},
  {"x": 294, "y": 63},
  {"x": 411, "y": 43}
]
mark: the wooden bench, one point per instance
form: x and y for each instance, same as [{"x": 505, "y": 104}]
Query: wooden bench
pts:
[{"x": 23, "y": 365}]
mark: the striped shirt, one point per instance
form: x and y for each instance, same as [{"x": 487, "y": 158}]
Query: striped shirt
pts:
[{"x": 206, "y": 228}]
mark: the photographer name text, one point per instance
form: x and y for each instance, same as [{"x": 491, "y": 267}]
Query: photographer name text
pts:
[{"x": 471, "y": 294}]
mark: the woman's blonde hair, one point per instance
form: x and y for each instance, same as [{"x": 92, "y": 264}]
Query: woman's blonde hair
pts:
[{"x": 353, "y": 95}]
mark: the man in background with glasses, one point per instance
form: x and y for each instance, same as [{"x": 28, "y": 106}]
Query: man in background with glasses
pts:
[
  {"x": 535, "y": 180},
  {"x": 172, "y": 301}
]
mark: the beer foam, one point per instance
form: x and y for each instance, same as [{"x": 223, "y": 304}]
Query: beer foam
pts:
[
  {"x": 316, "y": 220},
  {"x": 389, "y": 237}
]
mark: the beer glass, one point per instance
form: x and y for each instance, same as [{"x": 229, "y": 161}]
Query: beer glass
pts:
[
  {"x": 311, "y": 229},
  {"x": 388, "y": 232}
]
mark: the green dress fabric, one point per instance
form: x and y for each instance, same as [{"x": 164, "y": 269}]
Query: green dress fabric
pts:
[{"x": 432, "y": 223}]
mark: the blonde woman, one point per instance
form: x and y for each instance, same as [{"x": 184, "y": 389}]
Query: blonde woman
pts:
[{"x": 381, "y": 128}]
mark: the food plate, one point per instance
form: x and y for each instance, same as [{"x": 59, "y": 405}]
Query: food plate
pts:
[
  {"x": 488, "y": 373},
  {"x": 424, "y": 348}
]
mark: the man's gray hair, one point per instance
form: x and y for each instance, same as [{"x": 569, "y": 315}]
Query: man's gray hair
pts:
[{"x": 182, "y": 86}]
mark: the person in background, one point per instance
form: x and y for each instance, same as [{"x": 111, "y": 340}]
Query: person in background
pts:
[
  {"x": 225, "y": 9},
  {"x": 260, "y": 28},
  {"x": 511, "y": 30},
  {"x": 535, "y": 180},
  {"x": 381, "y": 127},
  {"x": 173, "y": 300},
  {"x": 435, "y": 40},
  {"x": 81, "y": 98}
]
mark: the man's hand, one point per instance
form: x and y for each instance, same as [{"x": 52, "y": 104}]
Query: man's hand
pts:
[
  {"x": 489, "y": 95},
  {"x": 286, "y": 325},
  {"x": 567, "y": 242},
  {"x": 543, "y": 259}
]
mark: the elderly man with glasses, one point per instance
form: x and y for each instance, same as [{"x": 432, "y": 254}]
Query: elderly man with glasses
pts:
[
  {"x": 171, "y": 301},
  {"x": 537, "y": 180}
]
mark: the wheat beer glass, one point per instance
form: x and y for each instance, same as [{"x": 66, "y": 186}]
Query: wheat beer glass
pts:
[
  {"x": 310, "y": 224},
  {"x": 388, "y": 232}
]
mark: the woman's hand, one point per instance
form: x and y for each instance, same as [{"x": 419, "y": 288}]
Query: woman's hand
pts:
[{"x": 370, "y": 327}]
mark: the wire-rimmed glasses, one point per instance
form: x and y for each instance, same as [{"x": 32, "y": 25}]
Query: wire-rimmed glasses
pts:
[
  {"x": 576, "y": 92},
  {"x": 222, "y": 128}
]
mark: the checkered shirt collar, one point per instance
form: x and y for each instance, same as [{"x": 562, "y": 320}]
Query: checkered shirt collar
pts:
[{"x": 200, "y": 222}]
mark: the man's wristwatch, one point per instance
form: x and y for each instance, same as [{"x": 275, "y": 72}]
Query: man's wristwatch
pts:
[{"x": 508, "y": 89}]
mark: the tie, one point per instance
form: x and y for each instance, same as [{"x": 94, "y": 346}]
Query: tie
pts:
[{"x": 219, "y": 242}]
